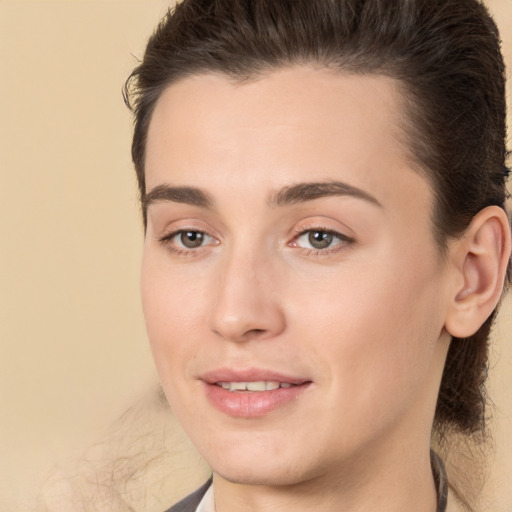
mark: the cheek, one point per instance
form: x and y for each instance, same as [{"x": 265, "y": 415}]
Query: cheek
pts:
[
  {"x": 171, "y": 310},
  {"x": 376, "y": 332}
]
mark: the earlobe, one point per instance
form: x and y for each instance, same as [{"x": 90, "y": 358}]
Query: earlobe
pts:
[{"x": 482, "y": 256}]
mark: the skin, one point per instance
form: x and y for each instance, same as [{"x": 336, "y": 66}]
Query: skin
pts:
[{"x": 363, "y": 319}]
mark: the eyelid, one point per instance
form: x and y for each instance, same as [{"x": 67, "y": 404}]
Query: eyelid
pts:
[
  {"x": 176, "y": 232},
  {"x": 322, "y": 225},
  {"x": 166, "y": 228},
  {"x": 344, "y": 240},
  {"x": 167, "y": 238}
]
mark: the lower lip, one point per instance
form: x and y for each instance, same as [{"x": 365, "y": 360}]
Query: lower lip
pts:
[{"x": 252, "y": 404}]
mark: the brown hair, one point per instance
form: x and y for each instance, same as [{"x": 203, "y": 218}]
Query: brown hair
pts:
[{"x": 446, "y": 56}]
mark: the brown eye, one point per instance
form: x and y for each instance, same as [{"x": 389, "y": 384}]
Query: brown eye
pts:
[
  {"x": 191, "y": 239},
  {"x": 320, "y": 239}
]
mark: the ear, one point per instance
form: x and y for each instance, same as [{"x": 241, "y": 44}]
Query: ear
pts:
[{"x": 481, "y": 258}]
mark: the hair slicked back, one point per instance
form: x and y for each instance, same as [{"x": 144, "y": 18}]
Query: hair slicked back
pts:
[{"x": 445, "y": 54}]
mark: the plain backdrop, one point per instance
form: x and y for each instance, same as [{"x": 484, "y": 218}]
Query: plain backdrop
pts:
[{"x": 73, "y": 349}]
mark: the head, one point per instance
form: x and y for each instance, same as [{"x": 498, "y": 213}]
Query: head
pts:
[{"x": 443, "y": 61}]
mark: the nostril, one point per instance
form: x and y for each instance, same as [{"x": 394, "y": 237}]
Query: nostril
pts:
[{"x": 254, "y": 333}]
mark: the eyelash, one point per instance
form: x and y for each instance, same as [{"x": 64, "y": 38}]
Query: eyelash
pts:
[
  {"x": 342, "y": 244},
  {"x": 166, "y": 240}
]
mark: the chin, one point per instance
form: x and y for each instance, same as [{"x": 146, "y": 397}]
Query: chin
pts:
[
  {"x": 264, "y": 468},
  {"x": 266, "y": 476}
]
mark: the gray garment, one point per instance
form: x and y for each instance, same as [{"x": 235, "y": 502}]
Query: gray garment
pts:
[{"x": 191, "y": 502}]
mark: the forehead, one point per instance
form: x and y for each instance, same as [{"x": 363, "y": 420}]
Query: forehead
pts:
[{"x": 294, "y": 124}]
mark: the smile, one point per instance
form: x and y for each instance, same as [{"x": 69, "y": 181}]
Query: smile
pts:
[{"x": 261, "y": 385}]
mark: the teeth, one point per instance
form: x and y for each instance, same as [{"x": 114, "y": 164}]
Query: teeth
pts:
[
  {"x": 256, "y": 386},
  {"x": 271, "y": 385},
  {"x": 261, "y": 385}
]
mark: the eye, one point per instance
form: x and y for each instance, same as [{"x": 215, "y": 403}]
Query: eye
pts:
[
  {"x": 186, "y": 240},
  {"x": 190, "y": 239},
  {"x": 320, "y": 239}
]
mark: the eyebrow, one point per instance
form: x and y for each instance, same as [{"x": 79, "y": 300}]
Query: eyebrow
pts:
[
  {"x": 187, "y": 195},
  {"x": 303, "y": 192},
  {"x": 293, "y": 194}
]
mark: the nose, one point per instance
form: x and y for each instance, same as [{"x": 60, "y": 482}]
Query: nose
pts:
[{"x": 247, "y": 303}]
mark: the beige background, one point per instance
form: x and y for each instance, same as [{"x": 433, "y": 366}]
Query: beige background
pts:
[{"x": 73, "y": 351}]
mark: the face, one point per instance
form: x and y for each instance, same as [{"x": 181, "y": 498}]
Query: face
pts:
[{"x": 291, "y": 285}]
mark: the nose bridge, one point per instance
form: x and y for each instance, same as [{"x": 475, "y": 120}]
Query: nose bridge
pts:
[{"x": 247, "y": 299}]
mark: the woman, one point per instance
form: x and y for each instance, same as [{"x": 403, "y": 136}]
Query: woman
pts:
[{"x": 322, "y": 186}]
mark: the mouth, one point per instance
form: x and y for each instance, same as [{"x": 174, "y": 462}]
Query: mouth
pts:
[
  {"x": 251, "y": 379},
  {"x": 252, "y": 393},
  {"x": 255, "y": 386}
]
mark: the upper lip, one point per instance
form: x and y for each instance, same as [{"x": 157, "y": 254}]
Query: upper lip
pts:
[{"x": 249, "y": 375}]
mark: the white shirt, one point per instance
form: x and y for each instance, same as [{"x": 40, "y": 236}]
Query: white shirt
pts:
[{"x": 207, "y": 503}]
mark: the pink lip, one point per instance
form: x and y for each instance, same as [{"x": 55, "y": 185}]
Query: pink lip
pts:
[
  {"x": 248, "y": 375},
  {"x": 251, "y": 404}
]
